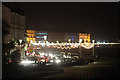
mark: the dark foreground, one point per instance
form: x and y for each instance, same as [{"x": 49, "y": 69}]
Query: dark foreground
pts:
[
  {"x": 107, "y": 67},
  {"x": 21, "y": 72}
]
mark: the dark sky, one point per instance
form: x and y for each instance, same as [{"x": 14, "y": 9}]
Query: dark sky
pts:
[{"x": 100, "y": 19}]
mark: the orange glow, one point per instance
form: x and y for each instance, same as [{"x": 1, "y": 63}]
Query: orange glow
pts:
[
  {"x": 31, "y": 35},
  {"x": 33, "y": 39},
  {"x": 85, "y": 37},
  {"x": 46, "y": 60}
]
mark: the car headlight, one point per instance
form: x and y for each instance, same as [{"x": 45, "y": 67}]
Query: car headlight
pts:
[
  {"x": 57, "y": 61},
  {"x": 51, "y": 60}
]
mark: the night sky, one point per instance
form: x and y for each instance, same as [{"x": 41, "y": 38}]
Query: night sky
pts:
[{"x": 99, "y": 19}]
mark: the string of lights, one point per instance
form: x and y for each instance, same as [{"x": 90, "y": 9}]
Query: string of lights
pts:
[{"x": 65, "y": 45}]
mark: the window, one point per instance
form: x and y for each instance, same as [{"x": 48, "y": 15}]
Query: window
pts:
[{"x": 39, "y": 36}]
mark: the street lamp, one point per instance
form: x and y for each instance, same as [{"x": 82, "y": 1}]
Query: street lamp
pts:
[
  {"x": 69, "y": 40},
  {"x": 93, "y": 46},
  {"x": 20, "y": 46},
  {"x": 57, "y": 42},
  {"x": 31, "y": 41},
  {"x": 45, "y": 37},
  {"x": 80, "y": 41},
  {"x": 20, "y": 41}
]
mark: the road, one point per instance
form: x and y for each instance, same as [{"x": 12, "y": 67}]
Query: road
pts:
[
  {"x": 106, "y": 67},
  {"x": 100, "y": 69}
]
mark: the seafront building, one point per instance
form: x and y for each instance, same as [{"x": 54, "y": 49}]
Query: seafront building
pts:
[
  {"x": 38, "y": 36},
  {"x": 14, "y": 21}
]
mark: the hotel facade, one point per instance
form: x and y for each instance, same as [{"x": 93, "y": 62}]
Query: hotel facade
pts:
[{"x": 38, "y": 36}]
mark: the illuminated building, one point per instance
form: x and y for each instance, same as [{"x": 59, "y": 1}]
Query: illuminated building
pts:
[
  {"x": 31, "y": 35},
  {"x": 74, "y": 37},
  {"x": 85, "y": 37},
  {"x": 14, "y": 17},
  {"x": 13, "y": 21},
  {"x": 35, "y": 36},
  {"x": 40, "y": 36},
  {"x": 6, "y": 20}
]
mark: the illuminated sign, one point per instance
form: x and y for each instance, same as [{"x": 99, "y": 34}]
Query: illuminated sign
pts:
[{"x": 42, "y": 33}]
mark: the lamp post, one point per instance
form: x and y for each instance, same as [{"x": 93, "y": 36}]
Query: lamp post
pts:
[
  {"x": 69, "y": 46},
  {"x": 80, "y": 55},
  {"x": 20, "y": 47},
  {"x": 57, "y": 42},
  {"x": 45, "y": 38},
  {"x": 93, "y": 46}
]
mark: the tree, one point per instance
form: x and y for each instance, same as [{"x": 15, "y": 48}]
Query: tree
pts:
[
  {"x": 15, "y": 57},
  {"x": 6, "y": 50},
  {"x": 6, "y": 47},
  {"x": 5, "y": 32}
]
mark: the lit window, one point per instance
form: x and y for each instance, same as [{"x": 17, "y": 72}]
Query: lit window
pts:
[{"x": 28, "y": 39}]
